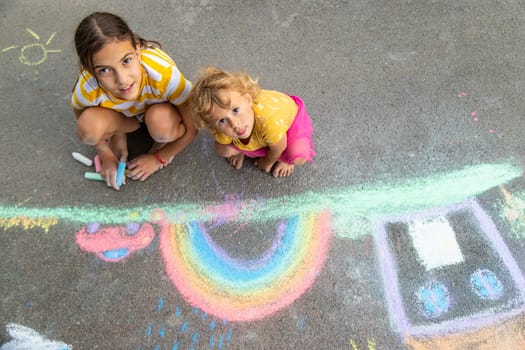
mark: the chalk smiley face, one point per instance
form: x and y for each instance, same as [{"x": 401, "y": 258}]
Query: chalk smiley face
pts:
[{"x": 115, "y": 243}]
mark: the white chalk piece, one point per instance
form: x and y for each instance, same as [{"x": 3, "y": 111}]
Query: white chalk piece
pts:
[{"x": 82, "y": 159}]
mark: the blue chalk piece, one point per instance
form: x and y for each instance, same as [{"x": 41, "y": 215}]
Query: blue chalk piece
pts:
[
  {"x": 161, "y": 303},
  {"x": 120, "y": 173}
]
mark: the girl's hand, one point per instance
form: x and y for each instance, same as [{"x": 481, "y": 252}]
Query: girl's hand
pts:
[
  {"x": 111, "y": 151},
  {"x": 143, "y": 166},
  {"x": 108, "y": 169}
]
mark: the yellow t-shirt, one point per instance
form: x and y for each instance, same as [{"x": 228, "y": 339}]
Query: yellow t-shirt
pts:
[
  {"x": 161, "y": 82},
  {"x": 274, "y": 114}
]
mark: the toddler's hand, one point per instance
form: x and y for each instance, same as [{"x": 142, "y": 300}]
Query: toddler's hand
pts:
[{"x": 264, "y": 164}]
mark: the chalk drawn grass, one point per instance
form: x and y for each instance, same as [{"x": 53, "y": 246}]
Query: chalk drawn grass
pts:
[{"x": 350, "y": 208}]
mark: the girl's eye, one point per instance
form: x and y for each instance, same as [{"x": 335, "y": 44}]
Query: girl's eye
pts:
[
  {"x": 102, "y": 70},
  {"x": 127, "y": 60},
  {"x": 236, "y": 110},
  {"x": 221, "y": 121}
]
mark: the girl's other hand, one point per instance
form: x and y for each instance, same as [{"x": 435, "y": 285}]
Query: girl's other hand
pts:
[{"x": 143, "y": 166}]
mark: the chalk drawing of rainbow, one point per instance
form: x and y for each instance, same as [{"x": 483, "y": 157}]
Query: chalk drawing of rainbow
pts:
[{"x": 238, "y": 290}]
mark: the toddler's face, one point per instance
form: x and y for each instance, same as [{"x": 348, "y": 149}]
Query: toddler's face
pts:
[
  {"x": 117, "y": 68},
  {"x": 238, "y": 120}
]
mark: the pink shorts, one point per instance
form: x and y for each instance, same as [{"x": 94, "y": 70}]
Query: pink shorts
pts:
[{"x": 299, "y": 138}]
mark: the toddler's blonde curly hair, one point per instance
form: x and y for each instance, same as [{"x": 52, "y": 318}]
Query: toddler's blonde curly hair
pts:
[{"x": 205, "y": 93}]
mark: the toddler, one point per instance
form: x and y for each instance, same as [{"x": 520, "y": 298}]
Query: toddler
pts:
[{"x": 246, "y": 120}]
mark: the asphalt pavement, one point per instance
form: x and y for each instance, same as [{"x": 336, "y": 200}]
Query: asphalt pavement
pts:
[{"x": 406, "y": 232}]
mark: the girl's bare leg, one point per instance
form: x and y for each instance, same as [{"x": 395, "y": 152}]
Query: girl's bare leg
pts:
[
  {"x": 165, "y": 125},
  {"x": 97, "y": 123},
  {"x": 106, "y": 130}
]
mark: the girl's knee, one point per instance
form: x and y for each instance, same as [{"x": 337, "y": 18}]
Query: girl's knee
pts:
[
  {"x": 97, "y": 123},
  {"x": 90, "y": 128},
  {"x": 164, "y": 123}
]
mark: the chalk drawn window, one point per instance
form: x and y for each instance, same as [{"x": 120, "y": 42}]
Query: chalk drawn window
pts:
[{"x": 435, "y": 242}]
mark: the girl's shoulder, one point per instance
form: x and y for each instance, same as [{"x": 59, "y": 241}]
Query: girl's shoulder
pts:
[
  {"x": 156, "y": 56},
  {"x": 86, "y": 82}
]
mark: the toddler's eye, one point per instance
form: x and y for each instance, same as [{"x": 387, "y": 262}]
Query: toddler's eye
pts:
[
  {"x": 221, "y": 121},
  {"x": 236, "y": 110}
]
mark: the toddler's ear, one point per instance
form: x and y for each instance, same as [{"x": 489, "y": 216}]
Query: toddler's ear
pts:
[{"x": 249, "y": 97}]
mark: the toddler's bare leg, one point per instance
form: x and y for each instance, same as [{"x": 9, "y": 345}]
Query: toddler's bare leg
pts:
[{"x": 234, "y": 157}]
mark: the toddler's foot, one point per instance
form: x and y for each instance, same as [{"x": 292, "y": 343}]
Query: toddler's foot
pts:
[
  {"x": 282, "y": 169},
  {"x": 236, "y": 160}
]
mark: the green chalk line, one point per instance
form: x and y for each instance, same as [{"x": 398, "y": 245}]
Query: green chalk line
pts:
[{"x": 351, "y": 208}]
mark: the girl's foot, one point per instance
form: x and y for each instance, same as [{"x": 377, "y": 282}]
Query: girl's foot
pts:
[
  {"x": 236, "y": 160},
  {"x": 282, "y": 169}
]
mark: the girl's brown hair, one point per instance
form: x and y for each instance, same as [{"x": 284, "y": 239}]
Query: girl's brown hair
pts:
[
  {"x": 205, "y": 94},
  {"x": 100, "y": 28}
]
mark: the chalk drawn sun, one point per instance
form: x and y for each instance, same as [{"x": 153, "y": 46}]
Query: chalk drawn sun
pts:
[{"x": 35, "y": 53}]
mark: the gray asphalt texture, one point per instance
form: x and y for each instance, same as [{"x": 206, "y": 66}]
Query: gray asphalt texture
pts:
[{"x": 397, "y": 90}]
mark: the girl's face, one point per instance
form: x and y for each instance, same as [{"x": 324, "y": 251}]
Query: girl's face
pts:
[
  {"x": 238, "y": 120},
  {"x": 117, "y": 68}
]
